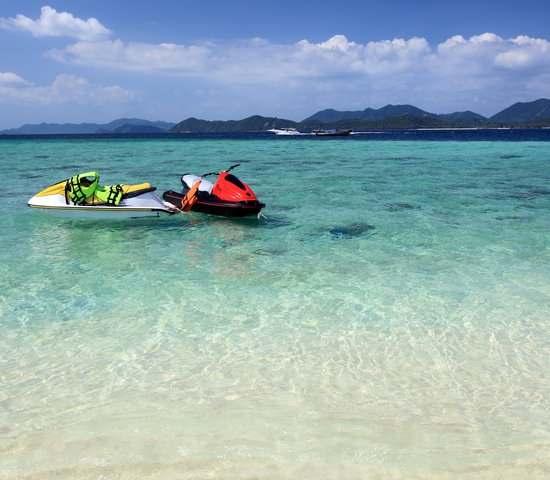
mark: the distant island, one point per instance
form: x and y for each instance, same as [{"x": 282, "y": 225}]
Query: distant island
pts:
[
  {"x": 535, "y": 114},
  {"x": 121, "y": 125}
]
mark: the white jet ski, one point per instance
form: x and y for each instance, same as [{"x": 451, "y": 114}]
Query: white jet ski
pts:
[{"x": 82, "y": 196}]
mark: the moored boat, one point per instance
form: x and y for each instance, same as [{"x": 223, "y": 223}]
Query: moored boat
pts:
[
  {"x": 81, "y": 196},
  {"x": 332, "y": 133}
]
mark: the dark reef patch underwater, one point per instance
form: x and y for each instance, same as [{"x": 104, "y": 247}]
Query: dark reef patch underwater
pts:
[{"x": 351, "y": 231}]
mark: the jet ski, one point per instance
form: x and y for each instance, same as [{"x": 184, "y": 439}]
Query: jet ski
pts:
[
  {"x": 228, "y": 196},
  {"x": 82, "y": 196}
]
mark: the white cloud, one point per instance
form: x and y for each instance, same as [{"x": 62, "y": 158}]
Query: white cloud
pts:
[
  {"x": 255, "y": 60},
  {"x": 116, "y": 55},
  {"x": 10, "y": 78},
  {"x": 260, "y": 60},
  {"x": 484, "y": 52},
  {"x": 338, "y": 42},
  {"x": 525, "y": 52},
  {"x": 65, "y": 89},
  {"x": 57, "y": 24},
  {"x": 460, "y": 72}
]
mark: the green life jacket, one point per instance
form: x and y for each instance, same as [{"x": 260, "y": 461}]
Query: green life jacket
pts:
[
  {"x": 111, "y": 195},
  {"x": 80, "y": 187}
]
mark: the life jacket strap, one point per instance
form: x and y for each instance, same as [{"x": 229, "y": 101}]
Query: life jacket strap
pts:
[
  {"x": 115, "y": 195},
  {"x": 110, "y": 195},
  {"x": 75, "y": 191}
]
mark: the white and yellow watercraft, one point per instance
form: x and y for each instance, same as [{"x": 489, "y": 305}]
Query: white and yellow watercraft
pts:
[{"x": 82, "y": 196}]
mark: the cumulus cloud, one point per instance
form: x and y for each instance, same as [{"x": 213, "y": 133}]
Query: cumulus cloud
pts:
[
  {"x": 57, "y": 24},
  {"x": 340, "y": 72},
  {"x": 65, "y": 89},
  {"x": 336, "y": 56},
  {"x": 489, "y": 51},
  {"x": 256, "y": 59},
  {"x": 116, "y": 55},
  {"x": 525, "y": 52},
  {"x": 10, "y": 78}
]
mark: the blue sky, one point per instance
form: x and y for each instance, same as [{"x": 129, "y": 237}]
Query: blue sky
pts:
[{"x": 97, "y": 60}]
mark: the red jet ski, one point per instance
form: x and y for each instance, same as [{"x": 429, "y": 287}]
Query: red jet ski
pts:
[{"x": 228, "y": 196}]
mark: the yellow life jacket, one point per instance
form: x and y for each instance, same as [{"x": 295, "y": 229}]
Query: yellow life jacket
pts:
[
  {"x": 111, "y": 195},
  {"x": 80, "y": 187}
]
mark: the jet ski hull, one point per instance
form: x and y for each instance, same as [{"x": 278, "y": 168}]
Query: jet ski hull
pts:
[
  {"x": 141, "y": 203},
  {"x": 98, "y": 212},
  {"x": 214, "y": 206}
]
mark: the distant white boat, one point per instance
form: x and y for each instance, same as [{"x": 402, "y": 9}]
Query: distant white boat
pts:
[{"x": 284, "y": 131}]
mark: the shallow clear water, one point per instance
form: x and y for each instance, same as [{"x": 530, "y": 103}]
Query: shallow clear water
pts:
[{"x": 388, "y": 318}]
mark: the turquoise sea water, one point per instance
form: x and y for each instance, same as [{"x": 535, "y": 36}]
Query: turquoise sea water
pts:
[{"x": 388, "y": 318}]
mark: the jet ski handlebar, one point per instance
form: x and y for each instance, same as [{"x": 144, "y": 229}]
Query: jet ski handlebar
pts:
[{"x": 217, "y": 173}]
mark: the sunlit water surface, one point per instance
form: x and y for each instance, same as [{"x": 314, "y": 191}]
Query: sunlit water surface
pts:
[{"x": 388, "y": 318}]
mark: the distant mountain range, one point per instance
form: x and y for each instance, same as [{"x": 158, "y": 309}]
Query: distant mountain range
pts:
[
  {"x": 121, "y": 125},
  {"x": 520, "y": 115},
  {"x": 390, "y": 111},
  {"x": 531, "y": 113}
]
